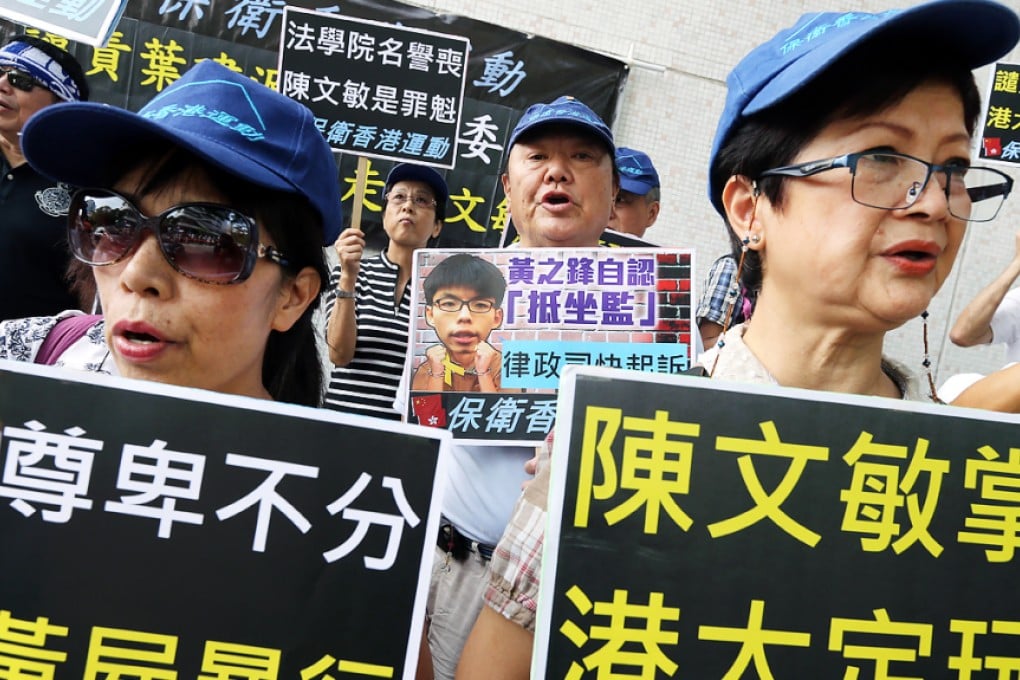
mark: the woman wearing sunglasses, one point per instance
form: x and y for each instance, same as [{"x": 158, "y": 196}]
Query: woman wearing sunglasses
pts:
[
  {"x": 203, "y": 217},
  {"x": 841, "y": 167}
]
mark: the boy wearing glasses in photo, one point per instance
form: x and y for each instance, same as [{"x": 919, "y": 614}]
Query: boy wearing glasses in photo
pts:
[
  {"x": 34, "y": 74},
  {"x": 464, "y": 294}
]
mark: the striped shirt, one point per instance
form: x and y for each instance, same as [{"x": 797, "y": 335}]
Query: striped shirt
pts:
[{"x": 368, "y": 385}]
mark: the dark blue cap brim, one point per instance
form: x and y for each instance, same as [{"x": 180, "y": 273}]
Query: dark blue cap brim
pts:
[
  {"x": 419, "y": 173},
  {"x": 634, "y": 186},
  {"x": 76, "y": 142},
  {"x": 582, "y": 128},
  {"x": 979, "y": 31},
  {"x": 55, "y": 143}
]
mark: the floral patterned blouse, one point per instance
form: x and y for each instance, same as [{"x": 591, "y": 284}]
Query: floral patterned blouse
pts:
[{"x": 20, "y": 340}]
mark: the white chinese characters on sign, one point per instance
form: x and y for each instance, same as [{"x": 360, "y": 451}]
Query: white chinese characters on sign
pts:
[{"x": 51, "y": 472}]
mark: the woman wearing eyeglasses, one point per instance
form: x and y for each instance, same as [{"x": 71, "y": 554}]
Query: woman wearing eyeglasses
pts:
[
  {"x": 841, "y": 165},
  {"x": 842, "y": 168},
  {"x": 369, "y": 302},
  {"x": 203, "y": 217}
]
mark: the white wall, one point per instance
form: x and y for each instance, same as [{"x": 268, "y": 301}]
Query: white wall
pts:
[{"x": 681, "y": 51}]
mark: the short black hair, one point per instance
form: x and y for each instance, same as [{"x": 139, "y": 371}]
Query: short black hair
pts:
[
  {"x": 466, "y": 271},
  {"x": 62, "y": 57}
]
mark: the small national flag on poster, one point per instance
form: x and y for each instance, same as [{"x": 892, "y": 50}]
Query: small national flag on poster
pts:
[{"x": 429, "y": 410}]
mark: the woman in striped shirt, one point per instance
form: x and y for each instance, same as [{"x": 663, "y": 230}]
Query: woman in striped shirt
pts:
[{"x": 369, "y": 303}]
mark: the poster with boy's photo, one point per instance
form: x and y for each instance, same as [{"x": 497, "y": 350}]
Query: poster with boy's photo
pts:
[{"x": 492, "y": 330}]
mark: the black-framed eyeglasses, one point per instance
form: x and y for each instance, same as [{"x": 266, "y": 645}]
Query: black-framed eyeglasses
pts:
[
  {"x": 19, "y": 79},
  {"x": 204, "y": 241},
  {"x": 891, "y": 181},
  {"x": 454, "y": 304},
  {"x": 399, "y": 198}
]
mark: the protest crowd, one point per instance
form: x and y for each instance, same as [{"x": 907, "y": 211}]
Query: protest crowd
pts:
[{"x": 172, "y": 242}]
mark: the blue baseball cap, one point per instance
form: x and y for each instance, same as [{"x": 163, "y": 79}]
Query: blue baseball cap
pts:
[
  {"x": 225, "y": 118},
  {"x": 980, "y": 31},
  {"x": 419, "y": 173},
  {"x": 637, "y": 174},
  {"x": 563, "y": 111}
]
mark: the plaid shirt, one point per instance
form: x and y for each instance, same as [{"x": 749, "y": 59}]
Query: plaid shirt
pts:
[
  {"x": 712, "y": 305},
  {"x": 517, "y": 560}
]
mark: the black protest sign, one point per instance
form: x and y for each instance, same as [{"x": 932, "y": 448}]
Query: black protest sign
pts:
[
  {"x": 510, "y": 68},
  {"x": 376, "y": 89},
  {"x": 152, "y": 531},
  {"x": 156, "y": 42},
  {"x": 1000, "y": 137},
  {"x": 746, "y": 530}
]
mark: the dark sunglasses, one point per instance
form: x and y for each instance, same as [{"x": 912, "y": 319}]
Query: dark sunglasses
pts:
[
  {"x": 205, "y": 241},
  {"x": 19, "y": 79}
]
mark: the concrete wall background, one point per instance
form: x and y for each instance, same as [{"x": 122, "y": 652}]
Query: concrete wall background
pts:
[{"x": 680, "y": 52}]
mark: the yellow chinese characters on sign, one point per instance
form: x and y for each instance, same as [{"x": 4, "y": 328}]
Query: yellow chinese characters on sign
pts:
[
  {"x": 23, "y": 650},
  {"x": 655, "y": 467},
  {"x": 844, "y": 537}
]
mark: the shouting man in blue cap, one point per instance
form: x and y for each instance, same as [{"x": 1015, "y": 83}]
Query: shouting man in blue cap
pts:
[
  {"x": 560, "y": 180},
  {"x": 637, "y": 201}
]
